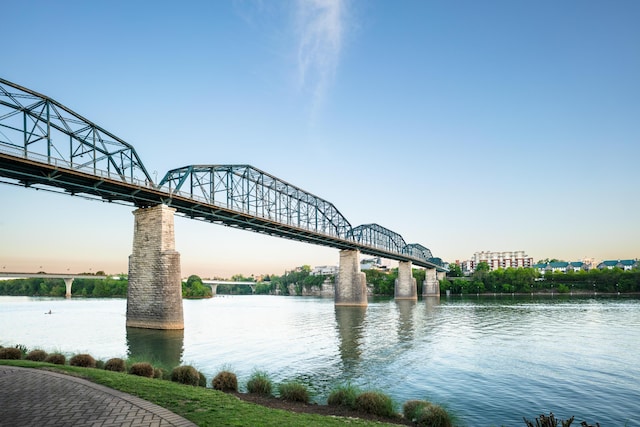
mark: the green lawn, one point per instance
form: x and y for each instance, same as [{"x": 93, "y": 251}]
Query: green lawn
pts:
[{"x": 205, "y": 407}]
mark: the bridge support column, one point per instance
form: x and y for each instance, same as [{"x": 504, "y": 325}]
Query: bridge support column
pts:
[
  {"x": 431, "y": 285},
  {"x": 214, "y": 289},
  {"x": 154, "y": 298},
  {"x": 405, "y": 283},
  {"x": 68, "y": 281},
  {"x": 351, "y": 288}
]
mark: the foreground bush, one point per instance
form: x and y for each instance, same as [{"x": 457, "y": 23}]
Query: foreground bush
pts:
[
  {"x": 142, "y": 369},
  {"x": 83, "y": 360},
  {"x": 426, "y": 414},
  {"x": 259, "y": 383},
  {"x": 373, "y": 402},
  {"x": 343, "y": 396},
  {"x": 202, "y": 380},
  {"x": 56, "y": 359},
  {"x": 36, "y": 355},
  {"x": 185, "y": 375},
  {"x": 116, "y": 365},
  {"x": 10, "y": 353},
  {"x": 225, "y": 381},
  {"x": 159, "y": 373},
  {"x": 294, "y": 392}
]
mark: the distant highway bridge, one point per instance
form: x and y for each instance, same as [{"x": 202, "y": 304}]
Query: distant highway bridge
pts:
[{"x": 44, "y": 144}]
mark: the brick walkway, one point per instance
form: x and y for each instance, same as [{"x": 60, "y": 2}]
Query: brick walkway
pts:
[{"x": 33, "y": 397}]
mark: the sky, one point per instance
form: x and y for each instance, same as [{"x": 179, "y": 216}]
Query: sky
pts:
[{"x": 465, "y": 126}]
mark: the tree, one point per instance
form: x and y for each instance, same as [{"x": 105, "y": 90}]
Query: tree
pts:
[{"x": 454, "y": 270}]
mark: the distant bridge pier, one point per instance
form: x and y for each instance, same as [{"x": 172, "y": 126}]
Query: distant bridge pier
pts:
[
  {"x": 405, "y": 286},
  {"x": 154, "y": 298},
  {"x": 214, "y": 289},
  {"x": 351, "y": 286},
  {"x": 68, "y": 281},
  {"x": 431, "y": 285}
]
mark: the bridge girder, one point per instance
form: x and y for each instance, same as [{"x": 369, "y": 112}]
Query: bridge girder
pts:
[
  {"x": 36, "y": 124},
  {"x": 44, "y": 143}
]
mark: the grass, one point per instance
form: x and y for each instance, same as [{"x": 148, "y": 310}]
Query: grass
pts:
[{"x": 204, "y": 407}]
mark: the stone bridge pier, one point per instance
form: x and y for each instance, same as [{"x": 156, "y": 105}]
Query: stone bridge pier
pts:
[
  {"x": 351, "y": 286},
  {"x": 154, "y": 298},
  {"x": 431, "y": 285},
  {"x": 405, "y": 286}
]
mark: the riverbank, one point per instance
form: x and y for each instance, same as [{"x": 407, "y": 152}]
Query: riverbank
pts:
[{"x": 207, "y": 407}]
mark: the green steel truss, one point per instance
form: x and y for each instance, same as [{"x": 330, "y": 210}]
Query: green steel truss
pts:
[
  {"x": 246, "y": 189},
  {"x": 46, "y": 145},
  {"x": 37, "y": 127}
]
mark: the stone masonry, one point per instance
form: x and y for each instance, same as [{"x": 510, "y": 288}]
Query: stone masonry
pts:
[
  {"x": 351, "y": 286},
  {"x": 431, "y": 286},
  {"x": 154, "y": 299},
  {"x": 405, "y": 283}
]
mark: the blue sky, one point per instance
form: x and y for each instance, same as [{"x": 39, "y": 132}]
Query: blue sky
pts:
[{"x": 462, "y": 125}]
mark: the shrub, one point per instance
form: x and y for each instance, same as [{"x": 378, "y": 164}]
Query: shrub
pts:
[
  {"x": 116, "y": 365},
  {"x": 259, "y": 383},
  {"x": 225, "y": 381},
  {"x": 83, "y": 360},
  {"x": 202, "y": 380},
  {"x": 185, "y": 375},
  {"x": 426, "y": 414},
  {"x": 56, "y": 359},
  {"x": 343, "y": 396},
  {"x": 100, "y": 364},
  {"x": 36, "y": 355},
  {"x": 10, "y": 353},
  {"x": 142, "y": 369},
  {"x": 158, "y": 373},
  {"x": 373, "y": 402},
  {"x": 294, "y": 392}
]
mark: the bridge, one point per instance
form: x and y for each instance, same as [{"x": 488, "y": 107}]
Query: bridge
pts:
[
  {"x": 45, "y": 145},
  {"x": 68, "y": 278},
  {"x": 213, "y": 284}
]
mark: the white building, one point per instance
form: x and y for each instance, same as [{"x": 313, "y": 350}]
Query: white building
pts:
[
  {"x": 496, "y": 260},
  {"x": 324, "y": 270}
]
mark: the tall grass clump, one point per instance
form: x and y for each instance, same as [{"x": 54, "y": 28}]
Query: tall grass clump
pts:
[
  {"x": 225, "y": 381},
  {"x": 374, "y": 402},
  {"x": 36, "y": 355},
  {"x": 116, "y": 365},
  {"x": 185, "y": 374},
  {"x": 343, "y": 396},
  {"x": 260, "y": 383},
  {"x": 426, "y": 414},
  {"x": 142, "y": 369},
  {"x": 83, "y": 360},
  {"x": 11, "y": 353},
  {"x": 294, "y": 392},
  {"x": 56, "y": 359}
]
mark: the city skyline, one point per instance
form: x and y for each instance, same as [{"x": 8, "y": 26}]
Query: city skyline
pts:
[{"x": 464, "y": 127}]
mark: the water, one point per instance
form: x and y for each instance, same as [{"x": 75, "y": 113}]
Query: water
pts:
[{"x": 490, "y": 361}]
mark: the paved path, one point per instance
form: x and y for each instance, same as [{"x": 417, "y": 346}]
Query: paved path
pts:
[{"x": 33, "y": 397}]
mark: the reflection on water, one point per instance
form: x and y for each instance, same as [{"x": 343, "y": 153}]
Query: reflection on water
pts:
[
  {"x": 349, "y": 322},
  {"x": 156, "y": 346},
  {"x": 405, "y": 319}
]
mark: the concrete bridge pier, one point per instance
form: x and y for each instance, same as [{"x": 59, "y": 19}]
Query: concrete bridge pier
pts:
[
  {"x": 214, "y": 289},
  {"x": 68, "y": 281},
  {"x": 154, "y": 298},
  {"x": 405, "y": 286},
  {"x": 351, "y": 286},
  {"x": 431, "y": 285}
]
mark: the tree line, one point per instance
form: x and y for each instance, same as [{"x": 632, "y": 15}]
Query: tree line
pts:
[{"x": 528, "y": 280}]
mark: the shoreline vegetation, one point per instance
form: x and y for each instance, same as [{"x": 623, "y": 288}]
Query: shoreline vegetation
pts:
[
  {"x": 186, "y": 392},
  {"x": 300, "y": 281}
]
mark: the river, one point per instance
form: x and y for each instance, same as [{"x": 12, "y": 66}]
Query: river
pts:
[{"x": 488, "y": 360}]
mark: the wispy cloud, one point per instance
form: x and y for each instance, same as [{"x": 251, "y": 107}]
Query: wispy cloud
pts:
[{"x": 320, "y": 28}]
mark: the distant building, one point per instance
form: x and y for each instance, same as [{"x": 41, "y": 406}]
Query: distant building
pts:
[
  {"x": 496, "y": 260},
  {"x": 372, "y": 264},
  {"x": 624, "y": 264},
  {"x": 324, "y": 270}
]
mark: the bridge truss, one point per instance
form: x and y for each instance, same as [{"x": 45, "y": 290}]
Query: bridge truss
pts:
[{"x": 43, "y": 143}]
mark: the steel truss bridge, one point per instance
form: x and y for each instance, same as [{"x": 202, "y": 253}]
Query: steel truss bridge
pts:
[{"x": 44, "y": 144}]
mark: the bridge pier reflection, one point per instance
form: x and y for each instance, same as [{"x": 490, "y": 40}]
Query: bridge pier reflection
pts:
[
  {"x": 164, "y": 347},
  {"x": 349, "y": 322}
]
